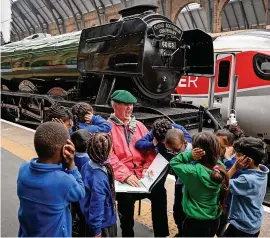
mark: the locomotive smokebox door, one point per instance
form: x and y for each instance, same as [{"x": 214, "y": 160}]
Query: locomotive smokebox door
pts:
[{"x": 199, "y": 53}]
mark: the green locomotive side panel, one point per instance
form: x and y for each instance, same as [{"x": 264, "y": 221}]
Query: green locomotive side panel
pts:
[{"x": 41, "y": 57}]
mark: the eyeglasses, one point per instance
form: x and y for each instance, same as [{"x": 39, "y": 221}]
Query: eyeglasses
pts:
[{"x": 176, "y": 151}]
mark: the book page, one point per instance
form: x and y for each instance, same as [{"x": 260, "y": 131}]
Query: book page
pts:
[
  {"x": 154, "y": 171},
  {"x": 125, "y": 188}
]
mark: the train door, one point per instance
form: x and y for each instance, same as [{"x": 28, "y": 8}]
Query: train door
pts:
[{"x": 223, "y": 86}]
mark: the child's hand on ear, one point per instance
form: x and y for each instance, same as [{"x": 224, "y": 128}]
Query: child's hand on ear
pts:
[
  {"x": 60, "y": 121},
  {"x": 155, "y": 142},
  {"x": 243, "y": 162},
  {"x": 88, "y": 118},
  {"x": 197, "y": 153},
  {"x": 68, "y": 154}
]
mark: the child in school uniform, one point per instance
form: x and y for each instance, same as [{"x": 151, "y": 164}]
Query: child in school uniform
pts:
[
  {"x": 226, "y": 141},
  {"x": 44, "y": 189},
  {"x": 205, "y": 185},
  {"x": 98, "y": 206},
  {"x": 60, "y": 114},
  {"x": 80, "y": 139},
  {"x": 176, "y": 143},
  {"x": 83, "y": 118},
  {"x": 155, "y": 139},
  {"x": 248, "y": 190}
]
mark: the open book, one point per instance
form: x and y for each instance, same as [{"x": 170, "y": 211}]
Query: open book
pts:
[{"x": 153, "y": 174}]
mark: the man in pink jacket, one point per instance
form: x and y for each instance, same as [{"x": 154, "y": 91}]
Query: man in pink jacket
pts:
[{"x": 129, "y": 166}]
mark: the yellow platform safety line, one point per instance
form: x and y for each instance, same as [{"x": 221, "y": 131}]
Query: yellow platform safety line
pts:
[
  {"x": 17, "y": 149},
  {"x": 144, "y": 218}
]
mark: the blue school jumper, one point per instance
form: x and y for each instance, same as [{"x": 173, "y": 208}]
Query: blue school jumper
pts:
[
  {"x": 98, "y": 124},
  {"x": 146, "y": 143},
  {"x": 45, "y": 191},
  {"x": 80, "y": 159},
  {"x": 97, "y": 206},
  {"x": 248, "y": 191}
]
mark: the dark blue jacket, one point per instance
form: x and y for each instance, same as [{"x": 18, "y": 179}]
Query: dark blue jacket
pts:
[
  {"x": 146, "y": 143},
  {"x": 98, "y": 124},
  {"x": 97, "y": 206},
  {"x": 80, "y": 159},
  {"x": 45, "y": 191}
]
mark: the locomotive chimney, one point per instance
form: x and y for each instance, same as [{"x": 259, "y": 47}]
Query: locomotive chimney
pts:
[{"x": 137, "y": 9}]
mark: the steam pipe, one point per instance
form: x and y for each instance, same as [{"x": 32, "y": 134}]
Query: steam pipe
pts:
[{"x": 213, "y": 119}]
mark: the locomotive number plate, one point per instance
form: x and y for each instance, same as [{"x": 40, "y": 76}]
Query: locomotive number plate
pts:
[{"x": 167, "y": 45}]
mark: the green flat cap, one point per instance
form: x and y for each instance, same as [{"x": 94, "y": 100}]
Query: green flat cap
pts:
[{"x": 123, "y": 96}]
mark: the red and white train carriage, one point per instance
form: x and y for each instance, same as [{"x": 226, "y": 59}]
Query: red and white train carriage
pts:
[{"x": 241, "y": 81}]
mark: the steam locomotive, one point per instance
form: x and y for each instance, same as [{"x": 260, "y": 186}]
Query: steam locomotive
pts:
[{"x": 142, "y": 52}]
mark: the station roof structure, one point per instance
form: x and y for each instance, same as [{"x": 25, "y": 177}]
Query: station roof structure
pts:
[
  {"x": 35, "y": 16},
  {"x": 237, "y": 15}
]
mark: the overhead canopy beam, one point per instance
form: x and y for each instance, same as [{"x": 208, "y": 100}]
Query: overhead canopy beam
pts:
[
  {"x": 124, "y": 2},
  {"x": 50, "y": 7},
  {"x": 64, "y": 11},
  {"x": 15, "y": 29},
  {"x": 18, "y": 24},
  {"x": 180, "y": 23},
  {"x": 227, "y": 19},
  {"x": 186, "y": 20},
  {"x": 79, "y": 11},
  {"x": 244, "y": 14},
  {"x": 73, "y": 14},
  {"x": 36, "y": 12},
  {"x": 26, "y": 11},
  {"x": 97, "y": 12},
  {"x": 103, "y": 9},
  {"x": 84, "y": 5},
  {"x": 21, "y": 15},
  {"x": 162, "y": 7},
  {"x": 256, "y": 17},
  {"x": 111, "y": 2},
  {"x": 204, "y": 27},
  {"x": 41, "y": 9},
  {"x": 238, "y": 25},
  {"x": 191, "y": 17}
]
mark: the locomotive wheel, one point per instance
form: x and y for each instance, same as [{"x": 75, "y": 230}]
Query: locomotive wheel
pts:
[
  {"x": 4, "y": 87},
  {"x": 9, "y": 113},
  {"x": 27, "y": 86},
  {"x": 58, "y": 92}
]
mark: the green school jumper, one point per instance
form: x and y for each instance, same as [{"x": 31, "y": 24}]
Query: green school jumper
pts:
[{"x": 200, "y": 192}]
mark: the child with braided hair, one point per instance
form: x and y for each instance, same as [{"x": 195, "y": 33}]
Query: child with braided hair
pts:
[
  {"x": 84, "y": 118},
  {"x": 98, "y": 206},
  {"x": 60, "y": 114}
]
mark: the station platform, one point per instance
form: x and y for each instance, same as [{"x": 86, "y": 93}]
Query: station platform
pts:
[{"x": 17, "y": 147}]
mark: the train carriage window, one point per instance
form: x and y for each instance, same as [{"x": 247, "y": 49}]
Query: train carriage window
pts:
[
  {"x": 71, "y": 61},
  {"x": 5, "y": 65},
  {"x": 261, "y": 66},
  {"x": 224, "y": 74},
  {"x": 40, "y": 63}
]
